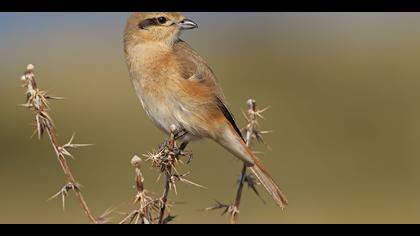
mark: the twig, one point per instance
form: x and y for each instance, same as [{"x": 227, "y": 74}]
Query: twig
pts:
[
  {"x": 150, "y": 210},
  {"x": 146, "y": 203},
  {"x": 252, "y": 133},
  {"x": 37, "y": 101},
  {"x": 164, "y": 198},
  {"x": 167, "y": 169},
  {"x": 236, "y": 205}
]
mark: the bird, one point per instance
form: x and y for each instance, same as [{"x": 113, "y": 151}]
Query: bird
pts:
[{"x": 176, "y": 86}]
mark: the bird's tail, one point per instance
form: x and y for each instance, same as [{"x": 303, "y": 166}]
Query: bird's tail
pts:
[
  {"x": 267, "y": 181},
  {"x": 234, "y": 143}
]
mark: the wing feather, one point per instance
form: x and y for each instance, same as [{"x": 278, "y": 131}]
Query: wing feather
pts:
[{"x": 194, "y": 68}]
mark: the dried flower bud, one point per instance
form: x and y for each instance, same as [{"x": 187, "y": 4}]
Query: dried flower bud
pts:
[
  {"x": 251, "y": 104},
  {"x": 30, "y": 67},
  {"x": 135, "y": 161},
  {"x": 173, "y": 128}
]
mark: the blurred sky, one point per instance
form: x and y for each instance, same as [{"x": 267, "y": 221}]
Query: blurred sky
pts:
[{"x": 343, "y": 90}]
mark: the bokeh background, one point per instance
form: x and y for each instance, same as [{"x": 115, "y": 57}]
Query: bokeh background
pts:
[{"x": 344, "y": 91}]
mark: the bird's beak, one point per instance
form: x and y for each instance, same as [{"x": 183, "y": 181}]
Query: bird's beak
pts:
[{"x": 187, "y": 24}]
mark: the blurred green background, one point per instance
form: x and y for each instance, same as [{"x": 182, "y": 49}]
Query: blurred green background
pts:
[{"x": 343, "y": 90}]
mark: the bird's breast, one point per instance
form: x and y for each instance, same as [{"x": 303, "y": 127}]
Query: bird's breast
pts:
[
  {"x": 167, "y": 97},
  {"x": 155, "y": 102},
  {"x": 149, "y": 74}
]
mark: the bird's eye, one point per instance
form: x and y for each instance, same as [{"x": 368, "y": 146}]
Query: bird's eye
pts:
[{"x": 162, "y": 20}]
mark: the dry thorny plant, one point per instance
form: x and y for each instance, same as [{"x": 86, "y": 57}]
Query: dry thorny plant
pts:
[
  {"x": 148, "y": 210},
  {"x": 37, "y": 101},
  {"x": 156, "y": 210},
  {"x": 252, "y": 132}
]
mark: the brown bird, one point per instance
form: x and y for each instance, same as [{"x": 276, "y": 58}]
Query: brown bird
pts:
[{"x": 177, "y": 87}]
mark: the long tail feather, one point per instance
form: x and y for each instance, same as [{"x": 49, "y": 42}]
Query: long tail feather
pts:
[
  {"x": 234, "y": 143},
  {"x": 267, "y": 181}
]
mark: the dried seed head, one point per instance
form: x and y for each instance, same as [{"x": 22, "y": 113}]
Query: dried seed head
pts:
[
  {"x": 30, "y": 67},
  {"x": 135, "y": 161},
  {"x": 251, "y": 104},
  {"x": 173, "y": 128},
  {"x": 23, "y": 78}
]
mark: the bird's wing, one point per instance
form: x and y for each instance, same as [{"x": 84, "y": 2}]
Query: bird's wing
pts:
[{"x": 194, "y": 68}]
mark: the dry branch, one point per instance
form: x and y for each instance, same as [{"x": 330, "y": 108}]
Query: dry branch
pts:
[
  {"x": 37, "y": 101},
  {"x": 252, "y": 133},
  {"x": 155, "y": 210}
]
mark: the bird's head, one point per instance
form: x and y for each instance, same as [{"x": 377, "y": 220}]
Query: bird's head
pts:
[{"x": 164, "y": 27}]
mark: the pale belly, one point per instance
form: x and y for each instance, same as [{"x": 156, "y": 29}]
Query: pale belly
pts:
[
  {"x": 159, "y": 113},
  {"x": 161, "y": 104},
  {"x": 164, "y": 111}
]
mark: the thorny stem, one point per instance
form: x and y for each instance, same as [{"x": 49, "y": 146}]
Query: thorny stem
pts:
[
  {"x": 168, "y": 175},
  {"x": 236, "y": 205},
  {"x": 155, "y": 210},
  {"x": 248, "y": 138},
  {"x": 70, "y": 177},
  {"x": 164, "y": 198},
  {"x": 39, "y": 108},
  {"x": 141, "y": 197}
]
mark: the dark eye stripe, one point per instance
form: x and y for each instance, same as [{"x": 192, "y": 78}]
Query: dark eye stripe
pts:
[
  {"x": 152, "y": 21},
  {"x": 147, "y": 22}
]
